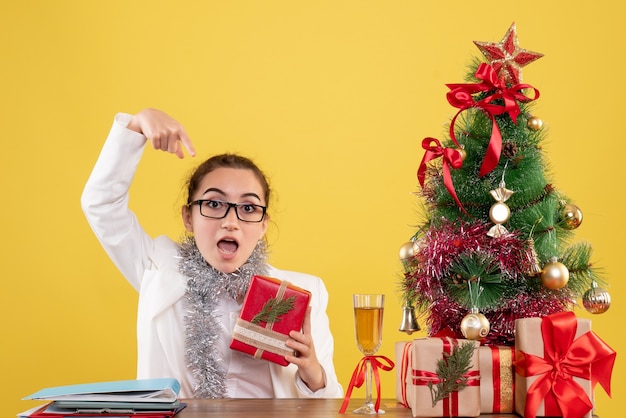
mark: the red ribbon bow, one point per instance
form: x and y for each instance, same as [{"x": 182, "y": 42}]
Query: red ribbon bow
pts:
[
  {"x": 587, "y": 357},
  {"x": 460, "y": 96},
  {"x": 451, "y": 157},
  {"x": 359, "y": 375}
]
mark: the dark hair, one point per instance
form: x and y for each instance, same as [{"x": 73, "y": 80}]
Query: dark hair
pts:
[{"x": 226, "y": 161}]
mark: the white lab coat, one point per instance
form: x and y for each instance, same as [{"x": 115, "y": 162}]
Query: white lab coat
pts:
[{"x": 151, "y": 267}]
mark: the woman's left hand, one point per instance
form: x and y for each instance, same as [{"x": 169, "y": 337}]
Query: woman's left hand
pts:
[{"x": 309, "y": 368}]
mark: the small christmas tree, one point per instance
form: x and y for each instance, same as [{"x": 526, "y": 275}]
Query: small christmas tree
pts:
[{"x": 495, "y": 243}]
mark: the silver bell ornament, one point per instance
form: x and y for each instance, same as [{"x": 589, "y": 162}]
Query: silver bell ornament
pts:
[{"x": 409, "y": 322}]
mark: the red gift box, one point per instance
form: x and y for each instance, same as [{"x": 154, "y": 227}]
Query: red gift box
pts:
[
  {"x": 497, "y": 387},
  {"x": 271, "y": 309},
  {"x": 462, "y": 403},
  {"x": 558, "y": 361}
]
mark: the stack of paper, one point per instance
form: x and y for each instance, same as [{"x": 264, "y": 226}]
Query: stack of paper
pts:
[{"x": 143, "y": 398}]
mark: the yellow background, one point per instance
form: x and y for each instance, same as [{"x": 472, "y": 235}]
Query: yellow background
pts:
[{"x": 332, "y": 98}]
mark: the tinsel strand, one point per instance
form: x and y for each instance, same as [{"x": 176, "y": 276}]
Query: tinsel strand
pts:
[{"x": 205, "y": 286}]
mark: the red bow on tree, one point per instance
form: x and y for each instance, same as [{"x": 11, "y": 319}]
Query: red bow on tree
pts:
[
  {"x": 451, "y": 157},
  {"x": 460, "y": 96},
  {"x": 587, "y": 357}
]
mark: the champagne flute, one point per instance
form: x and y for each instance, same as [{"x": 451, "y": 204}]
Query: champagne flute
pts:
[{"x": 368, "y": 321}]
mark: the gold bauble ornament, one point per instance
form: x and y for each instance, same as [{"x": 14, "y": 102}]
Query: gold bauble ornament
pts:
[
  {"x": 462, "y": 152},
  {"x": 571, "y": 216},
  {"x": 474, "y": 325},
  {"x": 407, "y": 250},
  {"x": 499, "y": 213},
  {"x": 596, "y": 300},
  {"x": 534, "y": 123},
  {"x": 554, "y": 275}
]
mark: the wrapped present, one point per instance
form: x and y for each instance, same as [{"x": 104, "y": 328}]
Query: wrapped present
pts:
[
  {"x": 496, "y": 379},
  {"x": 271, "y": 309},
  {"x": 403, "y": 353},
  {"x": 558, "y": 362},
  {"x": 432, "y": 393}
]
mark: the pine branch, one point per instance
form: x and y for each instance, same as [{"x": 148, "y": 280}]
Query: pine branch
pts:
[
  {"x": 480, "y": 269},
  {"x": 451, "y": 370},
  {"x": 273, "y": 309},
  {"x": 577, "y": 258}
]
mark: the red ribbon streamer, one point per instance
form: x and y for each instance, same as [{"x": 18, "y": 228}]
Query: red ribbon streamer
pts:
[
  {"x": 497, "y": 380},
  {"x": 460, "y": 96},
  {"x": 359, "y": 375},
  {"x": 407, "y": 359},
  {"x": 587, "y": 357},
  {"x": 425, "y": 377},
  {"x": 495, "y": 377},
  {"x": 451, "y": 157}
]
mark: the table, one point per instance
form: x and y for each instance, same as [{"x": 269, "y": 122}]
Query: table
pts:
[{"x": 197, "y": 408}]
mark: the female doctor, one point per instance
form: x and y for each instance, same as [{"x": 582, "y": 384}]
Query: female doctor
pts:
[{"x": 190, "y": 292}]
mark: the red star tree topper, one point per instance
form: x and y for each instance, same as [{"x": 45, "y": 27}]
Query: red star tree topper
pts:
[{"x": 506, "y": 57}]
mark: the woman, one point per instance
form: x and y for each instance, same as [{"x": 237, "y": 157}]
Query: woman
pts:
[{"x": 190, "y": 293}]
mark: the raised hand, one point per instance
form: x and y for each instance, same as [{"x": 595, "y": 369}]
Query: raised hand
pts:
[{"x": 164, "y": 132}]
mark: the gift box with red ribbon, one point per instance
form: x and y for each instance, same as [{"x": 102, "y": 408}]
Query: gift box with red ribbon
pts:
[
  {"x": 558, "y": 362},
  {"x": 403, "y": 354},
  {"x": 271, "y": 309},
  {"x": 424, "y": 382},
  {"x": 497, "y": 388}
]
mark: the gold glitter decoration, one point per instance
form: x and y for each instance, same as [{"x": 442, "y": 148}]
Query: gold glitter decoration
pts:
[{"x": 506, "y": 375}]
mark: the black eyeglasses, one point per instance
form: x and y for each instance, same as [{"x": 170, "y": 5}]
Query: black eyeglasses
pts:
[{"x": 218, "y": 209}]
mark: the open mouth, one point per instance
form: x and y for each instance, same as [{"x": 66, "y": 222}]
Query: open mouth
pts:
[{"x": 227, "y": 246}]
